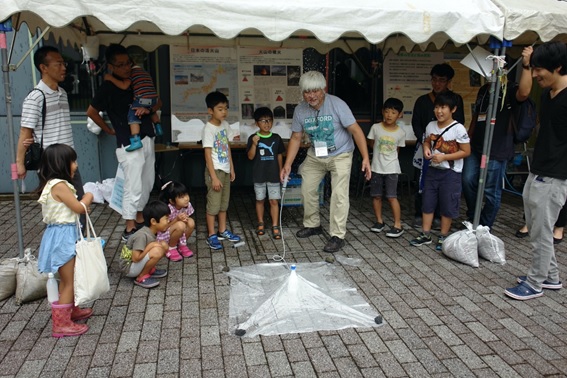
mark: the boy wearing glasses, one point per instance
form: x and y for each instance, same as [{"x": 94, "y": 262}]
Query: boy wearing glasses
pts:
[
  {"x": 265, "y": 149},
  {"x": 145, "y": 96}
]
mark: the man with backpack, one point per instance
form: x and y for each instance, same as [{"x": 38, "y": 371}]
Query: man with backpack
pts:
[{"x": 503, "y": 138}]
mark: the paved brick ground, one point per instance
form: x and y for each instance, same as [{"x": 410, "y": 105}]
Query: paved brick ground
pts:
[{"x": 443, "y": 319}]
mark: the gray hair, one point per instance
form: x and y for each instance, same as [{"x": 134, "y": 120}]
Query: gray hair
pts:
[{"x": 312, "y": 80}]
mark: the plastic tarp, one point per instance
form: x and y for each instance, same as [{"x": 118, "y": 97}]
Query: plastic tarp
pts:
[
  {"x": 528, "y": 20},
  {"x": 270, "y": 299},
  {"x": 150, "y": 23}
]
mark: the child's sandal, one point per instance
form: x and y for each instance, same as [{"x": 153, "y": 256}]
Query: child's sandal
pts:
[
  {"x": 276, "y": 234},
  {"x": 260, "y": 229}
]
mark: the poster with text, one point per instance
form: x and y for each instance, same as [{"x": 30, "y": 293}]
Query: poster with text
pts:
[
  {"x": 406, "y": 77},
  {"x": 269, "y": 77},
  {"x": 195, "y": 72}
]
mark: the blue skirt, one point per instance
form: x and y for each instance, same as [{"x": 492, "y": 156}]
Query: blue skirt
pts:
[{"x": 57, "y": 247}]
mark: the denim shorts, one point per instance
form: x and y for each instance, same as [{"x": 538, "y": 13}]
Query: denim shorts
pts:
[
  {"x": 272, "y": 188},
  {"x": 442, "y": 186},
  {"x": 139, "y": 103}
]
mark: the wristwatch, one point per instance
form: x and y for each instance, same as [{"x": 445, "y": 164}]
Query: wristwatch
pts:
[{"x": 526, "y": 66}]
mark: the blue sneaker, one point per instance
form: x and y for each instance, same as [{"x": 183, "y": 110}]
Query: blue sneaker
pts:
[
  {"x": 523, "y": 292},
  {"x": 158, "y": 129},
  {"x": 158, "y": 273},
  {"x": 213, "y": 242},
  {"x": 545, "y": 284},
  {"x": 135, "y": 143},
  {"x": 227, "y": 235}
]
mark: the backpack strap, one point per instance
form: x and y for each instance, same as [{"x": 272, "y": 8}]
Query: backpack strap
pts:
[{"x": 43, "y": 112}]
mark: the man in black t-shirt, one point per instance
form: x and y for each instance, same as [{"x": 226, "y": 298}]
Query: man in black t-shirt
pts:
[
  {"x": 502, "y": 148},
  {"x": 545, "y": 190},
  {"x": 139, "y": 165}
]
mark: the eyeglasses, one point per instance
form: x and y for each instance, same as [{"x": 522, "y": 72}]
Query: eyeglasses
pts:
[
  {"x": 122, "y": 65},
  {"x": 265, "y": 121}
]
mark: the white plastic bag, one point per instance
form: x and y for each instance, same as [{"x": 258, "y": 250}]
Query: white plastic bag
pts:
[
  {"x": 462, "y": 246},
  {"x": 106, "y": 188},
  {"x": 94, "y": 188},
  {"x": 31, "y": 284},
  {"x": 490, "y": 247},
  {"x": 91, "y": 273},
  {"x": 92, "y": 126},
  {"x": 8, "y": 273}
]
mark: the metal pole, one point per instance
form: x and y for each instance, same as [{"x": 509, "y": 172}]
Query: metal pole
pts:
[
  {"x": 7, "y": 26},
  {"x": 489, "y": 130}
]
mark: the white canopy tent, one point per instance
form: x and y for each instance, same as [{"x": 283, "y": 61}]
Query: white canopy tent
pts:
[
  {"x": 322, "y": 24},
  {"x": 526, "y": 21},
  {"x": 149, "y": 23}
]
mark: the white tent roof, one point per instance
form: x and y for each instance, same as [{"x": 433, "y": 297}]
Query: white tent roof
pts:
[
  {"x": 146, "y": 21},
  {"x": 528, "y": 20}
]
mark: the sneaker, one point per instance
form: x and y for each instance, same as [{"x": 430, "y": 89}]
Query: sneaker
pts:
[
  {"x": 147, "y": 282},
  {"x": 421, "y": 240},
  {"x": 523, "y": 292},
  {"x": 306, "y": 232},
  {"x": 545, "y": 284},
  {"x": 158, "y": 129},
  {"x": 227, "y": 235},
  {"x": 377, "y": 227},
  {"x": 158, "y": 273},
  {"x": 173, "y": 254},
  {"x": 439, "y": 245},
  {"x": 436, "y": 225},
  {"x": 394, "y": 232},
  {"x": 127, "y": 234},
  {"x": 213, "y": 242},
  {"x": 135, "y": 143},
  {"x": 184, "y": 250},
  {"x": 334, "y": 244},
  {"x": 417, "y": 222}
]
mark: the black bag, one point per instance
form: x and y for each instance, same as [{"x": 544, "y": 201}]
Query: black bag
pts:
[
  {"x": 34, "y": 151},
  {"x": 33, "y": 156},
  {"x": 523, "y": 120}
]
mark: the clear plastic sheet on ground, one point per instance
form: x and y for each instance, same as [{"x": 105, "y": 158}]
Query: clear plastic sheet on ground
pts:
[{"x": 268, "y": 299}]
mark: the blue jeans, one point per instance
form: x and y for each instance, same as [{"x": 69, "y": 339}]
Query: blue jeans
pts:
[{"x": 492, "y": 190}]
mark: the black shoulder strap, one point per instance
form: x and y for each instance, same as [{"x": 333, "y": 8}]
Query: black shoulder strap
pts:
[
  {"x": 43, "y": 113},
  {"x": 444, "y": 131}
]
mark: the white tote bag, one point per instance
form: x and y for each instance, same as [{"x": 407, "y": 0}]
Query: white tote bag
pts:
[{"x": 91, "y": 274}]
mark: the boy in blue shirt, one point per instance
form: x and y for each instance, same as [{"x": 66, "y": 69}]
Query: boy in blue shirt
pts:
[{"x": 219, "y": 172}]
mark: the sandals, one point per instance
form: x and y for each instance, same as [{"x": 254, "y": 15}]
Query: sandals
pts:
[
  {"x": 260, "y": 229},
  {"x": 276, "y": 233}
]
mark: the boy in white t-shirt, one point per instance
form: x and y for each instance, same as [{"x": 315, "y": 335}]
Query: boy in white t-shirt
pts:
[
  {"x": 219, "y": 171},
  {"x": 386, "y": 138},
  {"x": 445, "y": 146}
]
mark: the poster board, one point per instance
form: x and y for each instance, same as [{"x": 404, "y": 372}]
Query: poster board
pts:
[
  {"x": 406, "y": 77},
  {"x": 250, "y": 77}
]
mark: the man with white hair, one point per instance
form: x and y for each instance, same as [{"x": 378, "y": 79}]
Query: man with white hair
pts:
[{"x": 331, "y": 127}]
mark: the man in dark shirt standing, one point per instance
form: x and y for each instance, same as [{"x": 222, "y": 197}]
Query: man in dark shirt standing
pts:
[
  {"x": 138, "y": 165},
  {"x": 545, "y": 190},
  {"x": 423, "y": 113}
]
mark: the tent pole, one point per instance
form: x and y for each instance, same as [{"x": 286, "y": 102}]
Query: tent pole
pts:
[
  {"x": 489, "y": 128},
  {"x": 7, "y": 26}
]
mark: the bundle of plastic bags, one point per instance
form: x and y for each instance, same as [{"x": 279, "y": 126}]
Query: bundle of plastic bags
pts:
[
  {"x": 462, "y": 246},
  {"x": 490, "y": 247}
]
